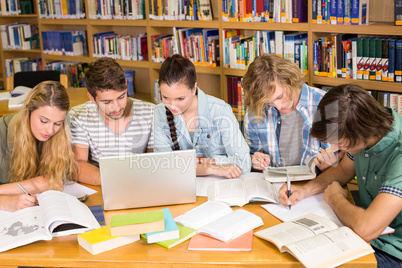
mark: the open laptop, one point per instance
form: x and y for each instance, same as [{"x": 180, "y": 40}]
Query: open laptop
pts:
[{"x": 149, "y": 179}]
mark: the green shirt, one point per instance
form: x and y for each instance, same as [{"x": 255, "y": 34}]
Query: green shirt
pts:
[{"x": 379, "y": 170}]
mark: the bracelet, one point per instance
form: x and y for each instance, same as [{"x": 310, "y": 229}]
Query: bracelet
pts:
[{"x": 199, "y": 159}]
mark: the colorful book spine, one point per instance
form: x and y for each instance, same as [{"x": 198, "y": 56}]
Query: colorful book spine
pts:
[
  {"x": 398, "y": 61},
  {"x": 391, "y": 62}
]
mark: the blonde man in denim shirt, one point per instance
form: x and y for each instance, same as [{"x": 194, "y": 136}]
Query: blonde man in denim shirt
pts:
[{"x": 190, "y": 119}]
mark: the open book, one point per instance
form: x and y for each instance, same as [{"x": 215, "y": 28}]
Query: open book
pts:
[
  {"x": 58, "y": 214},
  {"x": 219, "y": 221},
  {"x": 297, "y": 173},
  {"x": 316, "y": 241},
  {"x": 238, "y": 192},
  {"x": 18, "y": 96}
]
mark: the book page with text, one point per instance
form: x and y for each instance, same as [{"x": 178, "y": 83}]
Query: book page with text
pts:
[
  {"x": 330, "y": 249},
  {"x": 203, "y": 214},
  {"x": 295, "y": 230},
  {"x": 22, "y": 227},
  {"x": 232, "y": 225},
  {"x": 230, "y": 192},
  {"x": 60, "y": 208},
  {"x": 261, "y": 190}
]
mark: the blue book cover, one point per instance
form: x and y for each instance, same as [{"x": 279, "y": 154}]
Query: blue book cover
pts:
[
  {"x": 315, "y": 58},
  {"x": 355, "y": 12},
  {"x": 391, "y": 61},
  {"x": 171, "y": 230},
  {"x": 333, "y": 11},
  {"x": 129, "y": 74},
  {"x": 347, "y": 9},
  {"x": 339, "y": 12},
  {"x": 314, "y": 11},
  {"x": 398, "y": 61}
]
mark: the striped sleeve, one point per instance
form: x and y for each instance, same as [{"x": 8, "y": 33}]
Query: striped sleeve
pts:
[{"x": 78, "y": 130}]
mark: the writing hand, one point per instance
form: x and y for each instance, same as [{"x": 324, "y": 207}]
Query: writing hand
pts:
[
  {"x": 17, "y": 202},
  {"x": 260, "y": 160},
  {"x": 297, "y": 194}
]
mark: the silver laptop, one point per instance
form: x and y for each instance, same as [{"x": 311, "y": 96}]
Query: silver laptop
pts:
[{"x": 149, "y": 179}]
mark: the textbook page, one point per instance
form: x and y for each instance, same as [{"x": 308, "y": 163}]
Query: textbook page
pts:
[
  {"x": 203, "y": 214},
  {"x": 312, "y": 204},
  {"x": 22, "y": 227},
  {"x": 295, "y": 230},
  {"x": 330, "y": 249},
  {"x": 238, "y": 192},
  {"x": 59, "y": 208},
  {"x": 232, "y": 225}
]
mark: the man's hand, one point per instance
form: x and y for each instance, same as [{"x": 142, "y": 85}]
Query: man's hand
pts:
[
  {"x": 326, "y": 158},
  {"x": 260, "y": 160},
  {"x": 297, "y": 194},
  {"x": 334, "y": 191}
]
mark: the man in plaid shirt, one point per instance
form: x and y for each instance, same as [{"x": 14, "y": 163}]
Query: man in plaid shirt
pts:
[{"x": 280, "y": 109}]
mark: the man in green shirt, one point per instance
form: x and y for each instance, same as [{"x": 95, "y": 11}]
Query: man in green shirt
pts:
[{"x": 353, "y": 120}]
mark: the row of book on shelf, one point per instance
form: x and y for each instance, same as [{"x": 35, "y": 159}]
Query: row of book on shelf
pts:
[
  {"x": 240, "y": 51},
  {"x": 19, "y": 36},
  {"x": 65, "y": 42},
  {"x": 349, "y": 56},
  {"x": 352, "y": 12},
  {"x": 125, "y": 47},
  {"x": 201, "y": 46},
  {"x": 16, "y": 7},
  {"x": 72, "y": 73},
  {"x": 61, "y": 9},
  {"x": 180, "y": 10},
  {"x": 117, "y": 10},
  {"x": 285, "y": 11}
]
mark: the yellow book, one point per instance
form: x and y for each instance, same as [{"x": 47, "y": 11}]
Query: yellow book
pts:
[{"x": 101, "y": 240}]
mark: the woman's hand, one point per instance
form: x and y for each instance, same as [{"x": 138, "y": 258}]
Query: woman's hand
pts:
[{"x": 17, "y": 202}]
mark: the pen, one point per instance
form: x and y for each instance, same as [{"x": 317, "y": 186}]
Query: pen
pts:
[
  {"x": 288, "y": 183},
  {"x": 23, "y": 189}
]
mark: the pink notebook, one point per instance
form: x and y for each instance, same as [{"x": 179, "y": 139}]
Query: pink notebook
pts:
[{"x": 204, "y": 242}]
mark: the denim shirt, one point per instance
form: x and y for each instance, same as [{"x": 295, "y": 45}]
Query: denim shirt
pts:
[{"x": 217, "y": 134}]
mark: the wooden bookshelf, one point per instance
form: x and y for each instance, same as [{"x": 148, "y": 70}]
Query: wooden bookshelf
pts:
[{"x": 211, "y": 79}]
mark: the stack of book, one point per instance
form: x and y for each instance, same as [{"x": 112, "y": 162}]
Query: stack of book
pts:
[{"x": 157, "y": 226}]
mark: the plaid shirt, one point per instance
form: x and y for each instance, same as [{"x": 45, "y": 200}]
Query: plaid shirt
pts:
[{"x": 261, "y": 136}]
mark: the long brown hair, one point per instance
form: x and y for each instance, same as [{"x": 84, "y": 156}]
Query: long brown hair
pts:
[
  {"x": 54, "y": 158},
  {"x": 263, "y": 74},
  {"x": 176, "y": 69},
  {"x": 350, "y": 112}
]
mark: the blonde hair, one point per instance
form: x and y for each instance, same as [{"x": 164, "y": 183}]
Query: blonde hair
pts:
[
  {"x": 262, "y": 77},
  {"x": 53, "y": 159}
]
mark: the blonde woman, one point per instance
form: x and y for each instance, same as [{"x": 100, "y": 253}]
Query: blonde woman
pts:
[{"x": 35, "y": 147}]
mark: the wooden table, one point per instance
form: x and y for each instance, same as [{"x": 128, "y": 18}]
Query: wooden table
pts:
[
  {"x": 76, "y": 95},
  {"x": 65, "y": 251}
]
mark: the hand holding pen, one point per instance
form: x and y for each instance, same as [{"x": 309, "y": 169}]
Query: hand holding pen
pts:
[
  {"x": 26, "y": 192},
  {"x": 288, "y": 187}
]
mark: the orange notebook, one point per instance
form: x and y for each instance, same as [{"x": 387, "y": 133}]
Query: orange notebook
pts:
[{"x": 204, "y": 242}]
